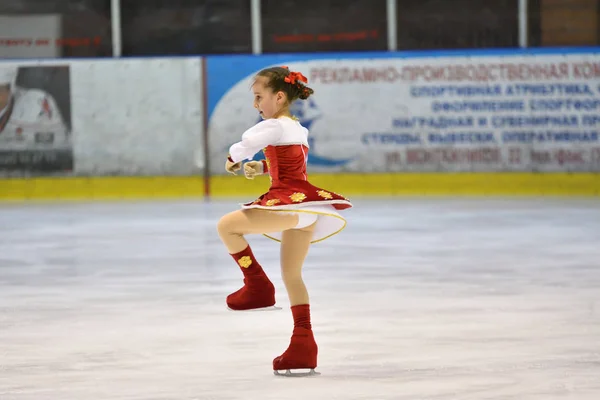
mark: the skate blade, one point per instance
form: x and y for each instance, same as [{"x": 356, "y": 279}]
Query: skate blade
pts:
[
  {"x": 270, "y": 308},
  {"x": 297, "y": 373}
]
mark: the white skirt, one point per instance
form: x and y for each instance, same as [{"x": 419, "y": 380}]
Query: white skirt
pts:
[{"x": 328, "y": 221}]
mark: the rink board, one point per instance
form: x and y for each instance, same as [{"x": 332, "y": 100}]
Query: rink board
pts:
[
  {"x": 378, "y": 124},
  {"x": 390, "y": 184}
]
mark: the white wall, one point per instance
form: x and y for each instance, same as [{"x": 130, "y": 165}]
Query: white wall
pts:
[
  {"x": 137, "y": 117},
  {"x": 128, "y": 117}
]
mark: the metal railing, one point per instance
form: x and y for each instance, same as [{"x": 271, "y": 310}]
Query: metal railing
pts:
[{"x": 256, "y": 23}]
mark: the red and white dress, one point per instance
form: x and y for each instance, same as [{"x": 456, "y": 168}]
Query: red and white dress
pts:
[{"x": 285, "y": 144}]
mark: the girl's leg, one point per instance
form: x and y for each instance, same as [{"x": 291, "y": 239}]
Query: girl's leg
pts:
[
  {"x": 302, "y": 351},
  {"x": 294, "y": 248},
  {"x": 258, "y": 291},
  {"x": 233, "y": 226}
]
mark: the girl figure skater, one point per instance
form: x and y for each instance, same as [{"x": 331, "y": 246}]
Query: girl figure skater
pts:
[{"x": 293, "y": 212}]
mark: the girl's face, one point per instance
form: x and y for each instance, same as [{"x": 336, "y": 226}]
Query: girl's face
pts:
[{"x": 268, "y": 104}]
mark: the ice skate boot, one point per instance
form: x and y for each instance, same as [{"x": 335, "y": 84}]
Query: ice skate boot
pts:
[
  {"x": 300, "y": 358},
  {"x": 258, "y": 293}
]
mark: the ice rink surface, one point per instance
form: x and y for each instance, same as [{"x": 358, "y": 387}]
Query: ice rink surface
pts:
[{"x": 416, "y": 299}]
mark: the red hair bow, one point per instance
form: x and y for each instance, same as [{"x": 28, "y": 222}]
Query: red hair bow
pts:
[{"x": 294, "y": 77}]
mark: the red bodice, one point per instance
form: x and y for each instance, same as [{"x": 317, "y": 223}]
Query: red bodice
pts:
[{"x": 286, "y": 163}]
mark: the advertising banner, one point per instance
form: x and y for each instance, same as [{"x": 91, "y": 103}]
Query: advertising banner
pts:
[
  {"x": 466, "y": 112},
  {"x": 35, "y": 120},
  {"x": 30, "y": 36}
]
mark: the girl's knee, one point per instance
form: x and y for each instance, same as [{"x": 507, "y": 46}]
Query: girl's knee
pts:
[
  {"x": 225, "y": 224},
  {"x": 221, "y": 226}
]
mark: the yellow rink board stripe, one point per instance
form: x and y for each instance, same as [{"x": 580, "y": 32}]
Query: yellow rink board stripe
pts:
[
  {"x": 100, "y": 188},
  {"x": 421, "y": 184},
  {"x": 435, "y": 184}
]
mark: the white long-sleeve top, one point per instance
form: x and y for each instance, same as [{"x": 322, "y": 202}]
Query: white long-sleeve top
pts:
[{"x": 270, "y": 132}]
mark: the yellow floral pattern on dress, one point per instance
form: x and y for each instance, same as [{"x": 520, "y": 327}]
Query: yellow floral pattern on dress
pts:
[
  {"x": 325, "y": 195},
  {"x": 339, "y": 195},
  {"x": 266, "y": 158},
  {"x": 298, "y": 197},
  {"x": 268, "y": 162},
  {"x": 272, "y": 202},
  {"x": 245, "y": 262}
]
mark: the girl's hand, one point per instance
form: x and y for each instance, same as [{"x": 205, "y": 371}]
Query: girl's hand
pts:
[
  {"x": 232, "y": 167},
  {"x": 253, "y": 168}
]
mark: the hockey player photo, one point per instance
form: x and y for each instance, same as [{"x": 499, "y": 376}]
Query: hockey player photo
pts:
[{"x": 35, "y": 137}]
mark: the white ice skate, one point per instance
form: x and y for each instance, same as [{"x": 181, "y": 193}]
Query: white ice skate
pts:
[{"x": 296, "y": 373}]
